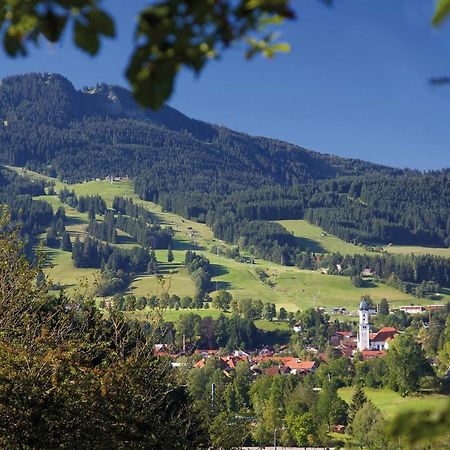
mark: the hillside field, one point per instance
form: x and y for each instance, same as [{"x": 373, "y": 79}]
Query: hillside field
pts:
[
  {"x": 317, "y": 240},
  {"x": 287, "y": 287},
  {"x": 416, "y": 250},
  {"x": 391, "y": 403}
]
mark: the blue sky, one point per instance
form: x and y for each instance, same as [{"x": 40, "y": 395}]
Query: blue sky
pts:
[{"x": 355, "y": 83}]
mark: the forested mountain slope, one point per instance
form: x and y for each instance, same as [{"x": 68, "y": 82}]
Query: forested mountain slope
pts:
[
  {"x": 49, "y": 123},
  {"x": 234, "y": 182}
]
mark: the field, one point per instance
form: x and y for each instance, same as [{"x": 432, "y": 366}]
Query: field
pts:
[
  {"x": 287, "y": 287},
  {"x": 391, "y": 403},
  {"x": 409, "y": 249},
  {"x": 317, "y": 241}
]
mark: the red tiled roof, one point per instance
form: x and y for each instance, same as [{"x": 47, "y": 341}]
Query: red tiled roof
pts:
[
  {"x": 200, "y": 364},
  {"x": 384, "y": 334},
  {"x": 368, "y": 354},
  {"x": 345, "y": 333}
]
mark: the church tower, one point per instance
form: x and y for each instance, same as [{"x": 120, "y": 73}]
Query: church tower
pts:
[{"x": 364, "y": 327}]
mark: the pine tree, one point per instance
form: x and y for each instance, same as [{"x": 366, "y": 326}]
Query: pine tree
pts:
[
  {"x": 358, "y": 400},
  {"x": 66, "y": 244},
  {"x": 169, "y": 255}
]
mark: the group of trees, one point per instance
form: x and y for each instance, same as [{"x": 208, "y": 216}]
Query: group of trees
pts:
[
  {"x": 149, "y": 236},
  {"x": 200, "y": 270},
  {"x": 126, "y": 207},
  {"x": 92, "y": 253},
  {"x": 92, "y": 204}
]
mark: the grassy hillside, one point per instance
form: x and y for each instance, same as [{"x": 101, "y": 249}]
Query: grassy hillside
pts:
[
  {"x": 288, "y": 287},
  {"x": 410, "y": 249},
  {"x": 391, "y": 403},
  {"x": 317, "y": 241}
]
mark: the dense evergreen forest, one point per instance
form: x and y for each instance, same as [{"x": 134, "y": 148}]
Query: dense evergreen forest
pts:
[{"x": 235, "y": 183}]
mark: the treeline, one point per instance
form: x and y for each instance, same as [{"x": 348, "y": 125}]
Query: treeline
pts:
[
  {"x": 411, "y": 210},
  {"x": 95, "y": 254},
  {"x": 92, "y": 204},
  {"x": 413, "y": 269},
  {"x": 126, "y": 207},
  {"x": 33, "y": 217},
  {"x": 151, "y": 236}
]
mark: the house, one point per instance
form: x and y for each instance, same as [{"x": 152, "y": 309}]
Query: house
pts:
[
  {"x": 369, "y": 354},
  {"x": 298, "y": 367},
  {"x": 366, "y": 272},
  {"x": 435, "y": 307},
  {"x": 276, "y": 370},
  {"x": 340, "y": 336},
  {"x": 412, "y": 309},
  {"x": 339, "y": 429},
  {"x": 380, "y": 340}
]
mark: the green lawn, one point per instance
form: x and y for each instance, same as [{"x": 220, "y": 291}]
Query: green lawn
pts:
[
  {"x": 391, "y": 403},
  {"x": 313, "y": 237},
  {"x": 410, "y": 249}
]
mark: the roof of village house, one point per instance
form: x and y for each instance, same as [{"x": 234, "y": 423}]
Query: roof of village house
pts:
[
  {"x": 200, "y": 364},
  {"x": 384, "y": 334},
  {"x": 296, "y": 364},
  {"x": 276, "y": 370},
  {"x": 368, "y": 354},
  {"x": 345, "y": 333}
]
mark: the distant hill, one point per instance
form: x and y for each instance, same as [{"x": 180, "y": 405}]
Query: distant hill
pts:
[
  {"x": 53, "y": 127},
  {"x": 234, "y": 182}
]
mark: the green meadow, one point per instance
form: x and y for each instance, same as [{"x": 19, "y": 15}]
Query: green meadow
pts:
[
  {"x": 416, "y": 250},
  {"x": 287, "y": 287},
  {"x": 317, "y": 240},
  {"x": 391, "y": 403}
]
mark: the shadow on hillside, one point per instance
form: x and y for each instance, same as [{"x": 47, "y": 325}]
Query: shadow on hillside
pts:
[
  {"x": 185, "y": 245},
  {"x": 309, "y": 244},
  {"x": 71, "y": 221},
  {"x": 218, "y": 270},
  {"x": 368, "y": 283},
  {"x": 126, "y": 240},
  {"x": 221, "y": 285}
]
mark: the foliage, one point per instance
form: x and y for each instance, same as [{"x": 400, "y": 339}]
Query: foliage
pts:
[
  {"x": 368, "y": 428},
  {"x": 70, "y": 377},
  {"x": 358, "y": 400},
  {"x": 303, "y": 429},
  {"x": 406, "y": 364}
]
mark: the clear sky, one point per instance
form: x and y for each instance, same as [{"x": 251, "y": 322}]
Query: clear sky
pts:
[{"x": 355, "y": 83}]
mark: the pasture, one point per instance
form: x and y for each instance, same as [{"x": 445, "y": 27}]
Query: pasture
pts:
[
  {"x": 416, "y": 250},
  {"x": 317, "y": 240},
  {"x": 391, "y": 403}
]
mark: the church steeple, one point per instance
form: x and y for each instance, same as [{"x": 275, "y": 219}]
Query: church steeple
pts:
[{"x": 364, "y": 326}]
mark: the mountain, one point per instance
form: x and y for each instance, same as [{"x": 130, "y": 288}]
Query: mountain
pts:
[
  {"x": 234, "y": 182},
  {"x": 52, "y": 126}
]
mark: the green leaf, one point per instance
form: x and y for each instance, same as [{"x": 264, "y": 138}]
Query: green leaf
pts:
[
  {"x": 86, "y": 38},
  {"x": 13, "y": 46},
  {"x": 102, "y": 22},
  {"x": 442, "y": 11}
]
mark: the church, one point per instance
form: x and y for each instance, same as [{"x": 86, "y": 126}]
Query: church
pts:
[{"x": 372, "y": 341}]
